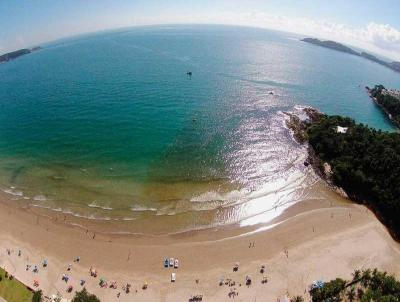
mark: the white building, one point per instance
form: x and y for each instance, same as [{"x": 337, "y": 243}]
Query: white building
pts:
[{"x": 341, "y": 129}]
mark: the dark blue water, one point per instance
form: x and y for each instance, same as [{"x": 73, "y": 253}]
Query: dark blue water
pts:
[{"x": 110, "y": 124}]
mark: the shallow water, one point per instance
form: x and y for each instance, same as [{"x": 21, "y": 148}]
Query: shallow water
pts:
[{"x": 109, "y": 126}]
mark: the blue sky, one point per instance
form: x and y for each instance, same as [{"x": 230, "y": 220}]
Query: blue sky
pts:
[{"x": 370, "y": 24}]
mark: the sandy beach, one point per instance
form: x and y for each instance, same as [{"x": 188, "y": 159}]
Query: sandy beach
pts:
[{"x": 318, "y": 239}]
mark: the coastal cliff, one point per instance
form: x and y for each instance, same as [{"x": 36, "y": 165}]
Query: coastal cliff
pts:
[
  {"x": 362, "y": 162},
  {"x": 299, "y": 128},
  {"x": 388, "y": 100}
]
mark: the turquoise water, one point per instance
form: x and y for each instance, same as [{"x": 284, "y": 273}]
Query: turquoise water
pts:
[{"x": 109, "y": 125}]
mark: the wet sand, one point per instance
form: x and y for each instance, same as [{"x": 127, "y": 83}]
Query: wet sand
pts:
[{"x": 318, "y": 239}]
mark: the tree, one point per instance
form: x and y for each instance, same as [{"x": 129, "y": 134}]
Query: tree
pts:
[
  {"x": 356, "y": 275},
  {"x": 365, "y": 163},
  {"x": 297, "y": 299},
  {"x": 366, "y": 286},
  {"x": 84, "y": 296},
  {"x": 331, "y": 291},
  {"x": 351, "y": 294},
  {"x": 37, "y": 296}
]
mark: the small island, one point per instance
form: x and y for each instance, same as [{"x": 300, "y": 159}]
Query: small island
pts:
[
  {"x": 15, "y": 54},
  {"x": 388, "y": 100},
  {"x": 361, "y": 161},
  {"x": 342, "y": 48}
]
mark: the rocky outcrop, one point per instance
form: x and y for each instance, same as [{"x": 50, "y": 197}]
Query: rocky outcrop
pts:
[{"x": 299, "y": 128}]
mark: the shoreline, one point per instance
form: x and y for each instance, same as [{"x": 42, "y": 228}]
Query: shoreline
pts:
[
  {"x": 298, "y": 127},
  {"x": 312, "y": 233},
  {"x": 297, "y": 247},
  {"x": 106, "y": 227},
  {"x": 387, "y": 114}
]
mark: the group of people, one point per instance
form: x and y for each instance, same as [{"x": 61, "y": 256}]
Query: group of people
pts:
[
  {"x": 233, "y": 292},
  {"x": 168, "y": 262}
]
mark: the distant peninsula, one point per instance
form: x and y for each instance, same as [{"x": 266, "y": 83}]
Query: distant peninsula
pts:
[
  {"x": 342, "y": 48},
  {"x": 331, "y": 44},
  {"x": 15, "y": 54},
  {"x": 388, "y": 100}
]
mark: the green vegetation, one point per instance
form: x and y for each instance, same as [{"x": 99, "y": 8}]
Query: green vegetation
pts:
[
  {"x": 84, "y": 296},
  {"x": 365, "y": 163},
  {"x": 366, "y": 286},
  {"x": 12, "y": 290},
  {"x": 331, "y": 291},
  {"x": 37, "y": 296},
  {"x": 389, "y": 103}
]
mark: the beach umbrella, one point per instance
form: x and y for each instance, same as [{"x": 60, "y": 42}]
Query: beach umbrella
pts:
[
  {"x": 93, "y": 272},
  {"x": 248, "y": 280},
  {"x": 285, "y": 299}
]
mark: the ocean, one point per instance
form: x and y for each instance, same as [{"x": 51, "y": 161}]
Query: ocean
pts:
[{"x": 110, "y": 127}]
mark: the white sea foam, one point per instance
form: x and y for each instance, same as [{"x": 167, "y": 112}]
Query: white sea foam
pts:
[
  {"x": 231, "y": 196},
  {"x": 95, "y": 205},
  {"x": 141, "y": 208},
  {"x": 39, "y": 198},
  {"x": 13, "y": 192},
  {"x": 83, "y": 216}
]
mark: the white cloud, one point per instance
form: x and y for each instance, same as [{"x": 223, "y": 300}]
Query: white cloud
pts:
[
  {"x": 380, "y": 38},
  {"x": 383, "y": 36}
]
